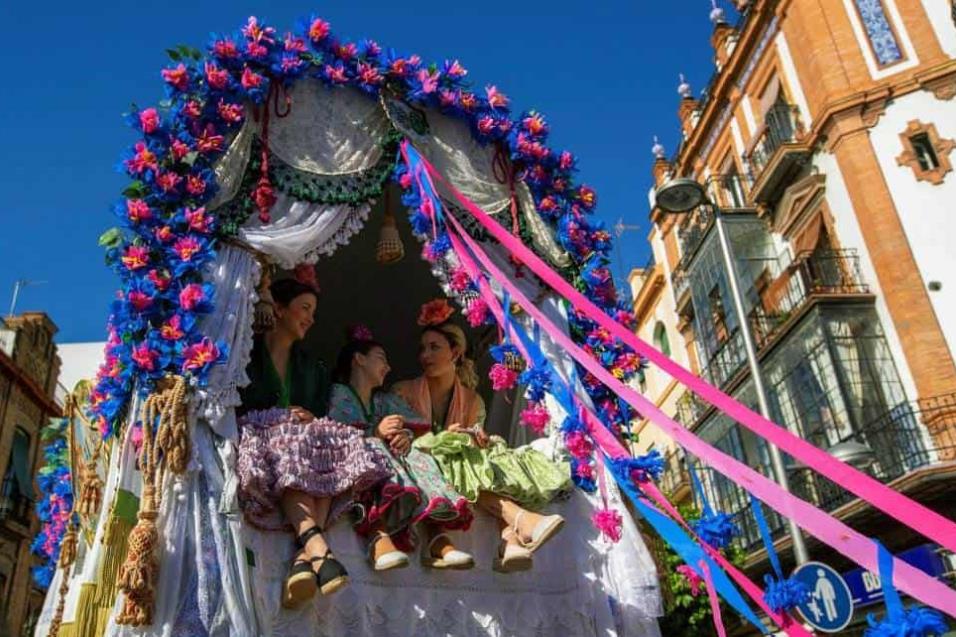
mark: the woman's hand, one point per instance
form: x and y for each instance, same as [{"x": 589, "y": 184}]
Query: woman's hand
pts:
[
  {"x": 456, "y": 428},
  {"x": 301, "y": 414},
  {"x": 481, "y": 438},
  {"x": 389, "y": 426},
  {"x": 401, "y": 443}
]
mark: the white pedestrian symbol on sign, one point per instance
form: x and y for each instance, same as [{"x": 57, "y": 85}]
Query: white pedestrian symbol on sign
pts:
[{"x": 824, "y": 592}]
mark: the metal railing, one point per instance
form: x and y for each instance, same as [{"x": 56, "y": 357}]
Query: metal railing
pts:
[
  {"x": 781, "y": 126},
  {"x": 14, "y": 505},
  {"x": 900, "y": 442},
  {"x": 810, "y": 275}
]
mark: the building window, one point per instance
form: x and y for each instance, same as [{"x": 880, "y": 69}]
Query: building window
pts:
[
  {"x": 16, "y": 492},
  {"x": 879, "y": 32},
  {"x": 925, "y": 153},
  {"x": 660, "y": 339}
]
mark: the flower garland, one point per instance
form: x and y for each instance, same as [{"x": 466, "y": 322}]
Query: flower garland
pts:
[
  {"x": 56, "y": 504},
  {"x": 167, "y": 236}
]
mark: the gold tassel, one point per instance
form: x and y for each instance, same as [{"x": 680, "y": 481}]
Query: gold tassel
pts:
[
  {"x": 92, "y": 495},
  {"x": 68, "y": 548},
  {"x": 137, "y": 578},
  {"x": 55, "y": 623},
  {"x": 85, "y": 620},
  {"x": 172, "y": 434},
  {"x": 264, "y": 313}
]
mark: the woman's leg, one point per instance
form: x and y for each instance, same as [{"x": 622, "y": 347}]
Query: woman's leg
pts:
[
  {"x": 508, "y": 513},
  {"x": 303, "y": 512},
  {"x": 381, "y": 542}
]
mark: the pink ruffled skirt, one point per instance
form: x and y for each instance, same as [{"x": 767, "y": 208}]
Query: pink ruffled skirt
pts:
[{"x": 322, "y": 458}]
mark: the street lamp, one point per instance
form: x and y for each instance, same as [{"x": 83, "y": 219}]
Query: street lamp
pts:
[{"x": 684, "y": 194}]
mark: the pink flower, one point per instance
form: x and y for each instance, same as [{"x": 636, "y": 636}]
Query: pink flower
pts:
[
  {"x": 360, "y": 333},
  {"x": 193, "y": 109},
  {"x": 693, "y": 579},
  {"x": 534, "y": 123},
  {"x": 405, "y": 181},
  {"x": 144, "y": 357},
  {"x": 149, "y": 120},
  {"x": 250, "y": 79},
  {"x": 186, "y": 247},
  {"x": 429, "y": 80},
  {"x": 143, "y": 159},
  {"x": 399, "y": 67},
  {"x": 136, "y": 436},
  {"x": 195, "y": 185},
  {"x": 336, "y": 74},
  {"x": 191, "y": 296},
  {"x": 209, "y": 141},
  {"x": 548, "y": 204},
  {"x": 566, "y": 161},
  {"x": 467, "y": 100},
  {"x": 486, "y": 124},
  {"x": 455, "y": 69},
  {"x": 178, "y": 77},
  {"x": 160, "y": 279},
  {"x": 264, "y": 196},
  {"x": 369, "y": 74},
  {"x": 318, "y": 30},
  {"x": 199, "y": 355},
  {"x": 305, "y": 273},
  {"x": 171, "y": 329},
  {"x": 231, "y": 113},
  {"x": 502, "y": 378},
  {"x": 198, "y": 220},
  {"x": 293, "y": 44},
  {"x": 216, "y": 77},
  {"x": 257, "y": 33},
  {"x": 578, "y": 445},
  {"x": 459, "y": 280},
  {"x": 168, "y": 181},
  {"x": 256, "y": 50},
  {"x": 164, "y": 234},
  {"x": 435, "y": 312},
  {"x": 427, "y": 207},
  {"x": 587, "y": 196},
  {"x": 496, "y": 99},
  {"x": 536, "y": 416},
  {"x": 346, "y": 52},
  {"x": 140, "y": 300},
  {"x": 135, "y": 257},
  {"x": 477, "y": 313},
  {"x": 559, "y": 184},
  {"x": 447, "y": 98},
  {"x": 225, "y": 48},
  {"x": 138, "y": 210},
  {"x": 608, "y": 522},
  {"x": 179, "y": 149}
]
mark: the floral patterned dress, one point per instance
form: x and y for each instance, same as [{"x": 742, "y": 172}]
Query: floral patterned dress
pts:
[{"x": 416, "y": 491}]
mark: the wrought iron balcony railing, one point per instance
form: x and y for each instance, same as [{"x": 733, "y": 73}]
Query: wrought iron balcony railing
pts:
[{"x": 781, "y": 126}]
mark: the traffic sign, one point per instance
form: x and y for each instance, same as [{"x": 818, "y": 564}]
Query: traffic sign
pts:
[{"x": 830, "y": 606}]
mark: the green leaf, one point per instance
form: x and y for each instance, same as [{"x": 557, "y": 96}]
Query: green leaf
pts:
[
  {"x": 190, "y": 158},
  {"x": 135, "y": 190},
  {"x": 174, "y": 55},
  {"x": 111, "y": 238}
]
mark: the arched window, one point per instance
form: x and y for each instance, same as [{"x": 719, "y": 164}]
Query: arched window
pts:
[{"x": 660, "y": 339}]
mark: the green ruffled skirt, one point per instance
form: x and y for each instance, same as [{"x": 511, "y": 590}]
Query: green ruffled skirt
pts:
[{"x": 525, "y": 475}]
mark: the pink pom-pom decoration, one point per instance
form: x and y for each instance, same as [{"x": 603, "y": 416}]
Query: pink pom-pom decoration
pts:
[
  {"x": 360, "y": 333},
  {"x": 608, "y": 522},
  {"x": 578, "y": 445},
  {"x": 536, "y": 417},
  {"x": 501, "y": 377},
  {"x": 477, "y": 313},
  {"x": 693, "y": 578}
]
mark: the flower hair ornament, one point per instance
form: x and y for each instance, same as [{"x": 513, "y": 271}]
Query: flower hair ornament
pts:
[
  {"x": 435, "y": 312},
  {"x": 305, "y": 273},
  {"x": 360, "y": 333}
]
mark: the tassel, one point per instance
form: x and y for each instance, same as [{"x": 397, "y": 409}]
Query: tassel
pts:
[
  {"x": 608, "y": 522},
  {"x": 914, "y": 622},
  {"x": 786, "y": 594},
  {"x": 264, "y": 315},
  {"x": 137, "y": 577},
  {"x": 92, "y": 496},
  {"x": 716, "y": 529},
  {"x": 68, "y": 548}
]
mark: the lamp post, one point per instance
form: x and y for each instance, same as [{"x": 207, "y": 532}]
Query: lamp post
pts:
[
  {"x": 18, "y": 285},
  {"x": 681, "y": 195}
]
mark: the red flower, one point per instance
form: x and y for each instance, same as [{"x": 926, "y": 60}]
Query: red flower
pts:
[
  {"x": 177, "y": 77},
  {"x": 318, "y": 30},
  {"x": 199, "y": 355},
  {"x": 225, "y": 48},
  {"x": 209, "y": 141},
  {"x": 216, "y": 77},
  {"x": 138, "y": 210},
  {"x": 195, "y": 185},
  {"x": 435, "y": 312},
  {"x": 171, "y": 330},
  {"x": 160, "y": 279},
  {"x": 140, "y": 300},
  {"x": 149, "y": 120},
  {"x": 168, "y": 181},
  {"x": 231, "y": 113},
  {"x": 135, "y": 257},
  {"x": 250, "y": 79},
  {"x": 144, "y": 357}
]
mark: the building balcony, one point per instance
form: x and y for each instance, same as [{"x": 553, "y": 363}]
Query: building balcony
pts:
[
  {"x": 811, "y": 278},
  {"x": 15, "y": 507},
  {"x": 777, "y": 154},
  {"x": 895, "y": 448}
]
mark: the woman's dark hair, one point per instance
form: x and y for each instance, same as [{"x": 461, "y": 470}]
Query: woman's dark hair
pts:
[
  {"x": 285, "y": 290},
  {"x": 343, "y": 364}
]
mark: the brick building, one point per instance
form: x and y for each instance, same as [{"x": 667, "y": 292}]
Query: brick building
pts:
[
  {"x": 29, "y": 367},
  {"x": 826, "y": 137}
]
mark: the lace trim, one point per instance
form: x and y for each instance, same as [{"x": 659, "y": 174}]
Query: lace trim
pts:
[{"x": 350, "y": 227}]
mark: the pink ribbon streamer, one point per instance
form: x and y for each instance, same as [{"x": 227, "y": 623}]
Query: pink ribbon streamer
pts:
[
  {"x": 848, "y": 542},
  {"x": 714, "y": 602},
  {"x": 614, "y": 449},
  {"x": 896, "y": 505}
]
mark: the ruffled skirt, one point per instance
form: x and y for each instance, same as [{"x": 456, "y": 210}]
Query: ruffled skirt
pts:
[
  {"x": 322, "y": 458},
  {"x": 524, "y": 475},
  {"x": 415, "y": 492}
]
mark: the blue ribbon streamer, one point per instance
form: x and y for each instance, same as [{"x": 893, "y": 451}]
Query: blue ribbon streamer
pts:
[{"x": 765, "y": 536}]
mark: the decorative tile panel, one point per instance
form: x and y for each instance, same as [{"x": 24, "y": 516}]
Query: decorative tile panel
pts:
[{"x": 879, "y": 32}]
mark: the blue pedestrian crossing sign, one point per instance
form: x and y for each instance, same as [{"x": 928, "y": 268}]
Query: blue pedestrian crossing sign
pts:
[{"x": 830, "y": 605}]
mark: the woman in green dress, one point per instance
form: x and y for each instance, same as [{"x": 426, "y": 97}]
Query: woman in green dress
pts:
[
  {"x": 297, "y": 469},
  {"x": 416, "y": 491},
  {"x": 513, "y": 485}
]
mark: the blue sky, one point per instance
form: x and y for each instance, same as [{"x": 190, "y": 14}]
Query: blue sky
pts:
[{"x": 604, "y": 74}]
